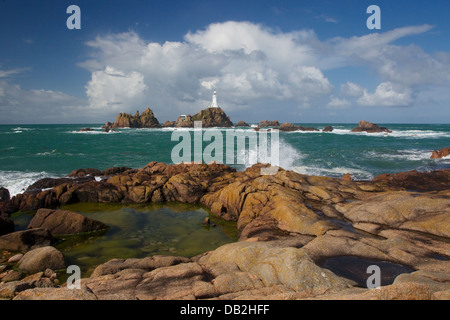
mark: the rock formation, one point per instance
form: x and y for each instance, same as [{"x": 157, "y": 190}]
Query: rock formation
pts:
[
  {"x": 370, "y": 128},
  {"x": 445, "y": 152},
  {"x": 267, "y": 123},
  {"x": 64, "y": 222},
  {"x": 291, "y": 127},
  {"x": 145, "y": 120},
  {"x": 328, "y": 129},
  {"x": 288, "y": 224}
]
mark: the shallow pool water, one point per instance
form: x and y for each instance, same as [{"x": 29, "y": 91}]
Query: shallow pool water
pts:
[{"x": 138, "y": 231}]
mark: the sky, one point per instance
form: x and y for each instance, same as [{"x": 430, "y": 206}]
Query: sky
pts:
[{"x": 299, "y": 61}]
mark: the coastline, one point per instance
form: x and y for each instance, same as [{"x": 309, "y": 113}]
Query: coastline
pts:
[{"x": 285, "y": 221}]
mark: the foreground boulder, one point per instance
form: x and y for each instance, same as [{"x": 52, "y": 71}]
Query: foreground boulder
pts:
[
  {"x": 145, "y": 120},
  {"x": 288, "y": 225},
  {"x": 40, "y": 259},
  {"x": 64, "y": 222},
  {"x": 370, "y": 128}
]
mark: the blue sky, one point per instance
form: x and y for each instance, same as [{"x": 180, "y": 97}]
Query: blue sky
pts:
[{"x": 296, "y": 61}]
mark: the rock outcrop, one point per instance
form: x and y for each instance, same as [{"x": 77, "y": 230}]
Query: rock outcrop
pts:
[
  {"x": 210, "y": 118},
  {"x": 242, "y": 124},
  {"x": 288, "y": 225},
  {"x": 40, "y": 259},
  {"x": 60, "y": 222},
  {"x": 445, "y": 152},
  {"x": 25, "y": 240},
  {"x": 370, "y": 128},
  {"x": 328, "y": 129},
  {"x": 4, "y": 194},
  {"x": 267, "y": 123},
  {"x": 145, "y": 120},
  {"x": 291, "y": 127}
]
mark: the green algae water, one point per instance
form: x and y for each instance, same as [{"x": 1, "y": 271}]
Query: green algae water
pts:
[{"x": 139, "y": 231}]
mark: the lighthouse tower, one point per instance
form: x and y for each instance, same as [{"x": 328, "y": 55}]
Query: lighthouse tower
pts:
[{"x": 214, "y": 101}]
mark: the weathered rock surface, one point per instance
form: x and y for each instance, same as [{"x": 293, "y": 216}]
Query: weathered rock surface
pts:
[
  {"x": 10, "y": 290},
  {"x": 445, "y": 152},
  {"x": 288, "y": 223},
  {"x": 210, "y": 118},
  {"x": 267, "y": 123},
  {"x": 64, "y": 222},
  {"x": 4, "y": 194},
  {"x": 291, "y": 127},
  {"x": 370, "y": 128},
  {"x": 40, "y": 259},
  {"x": 242, "y": 124},
  {"x": 145, "y": 120},
  {"x": 25, "y": 240},
  {"x": 6, "y": 224},
  {"x": 328, "y": 129}
]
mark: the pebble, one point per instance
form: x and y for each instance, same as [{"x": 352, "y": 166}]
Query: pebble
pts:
[{"x": 15, "y": 258}]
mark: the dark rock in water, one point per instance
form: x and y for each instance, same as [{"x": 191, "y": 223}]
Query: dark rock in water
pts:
[
  {"x": 85, "y": 172},
  {"x": 309, "y": 129},
  {"x": 355, "y": 268},
  {"x": 206, "y": 221},
  {"x": 370, "y": 128},
  {"x": 145, "y": 120},
  {"x": 47, "y": 183},
  {"x": 289, "y": 127},
  {"x": 328, "y": 129},
  {"x": 418, "y": 181},
  {"x": 242, "y": 124},
  {"x": 86, "y": 130},
  {"x": 25, "y": 240},
  {"x": 64, "y": 222},
  {"x": 4, "y": 194},
  {"x": 441, "y": 153},
  {"x": 6, "y": 224},
  {"x": 267, "y": 123}
]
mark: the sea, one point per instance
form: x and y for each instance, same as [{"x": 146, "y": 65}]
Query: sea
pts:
[{"x": 32, "y": 152}]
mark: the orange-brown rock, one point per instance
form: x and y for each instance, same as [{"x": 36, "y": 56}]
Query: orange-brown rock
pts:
[
  {"x": 445, "y": 152},
  {"x": 288, "y": 223},
  {"x": 145, "y": 120}
]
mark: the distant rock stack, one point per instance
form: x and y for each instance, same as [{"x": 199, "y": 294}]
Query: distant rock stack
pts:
[
  {"x": 145, "y": 120},
  {"x": 370, "y": 128},
  {"x": 210, "y": 118}
]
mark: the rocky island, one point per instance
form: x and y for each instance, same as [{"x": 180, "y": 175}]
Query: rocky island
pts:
[
  {"x": 145, "y": 120},
  {"x": 300, "y": 236}
]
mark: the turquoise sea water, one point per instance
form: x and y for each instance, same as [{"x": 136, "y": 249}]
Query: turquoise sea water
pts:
[{"x": 32, "y": 152}]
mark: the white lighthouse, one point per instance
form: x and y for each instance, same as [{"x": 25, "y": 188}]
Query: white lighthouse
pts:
[{"x": 214, "y": 101}]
